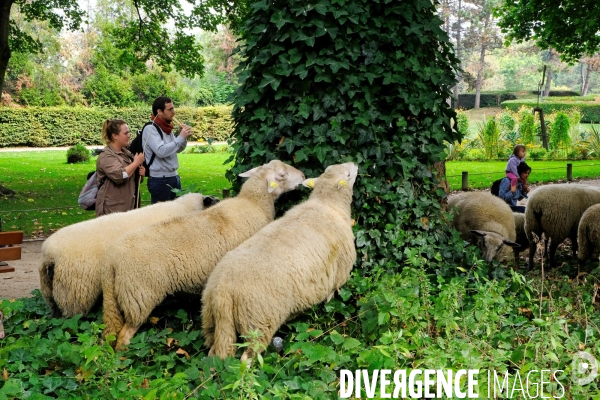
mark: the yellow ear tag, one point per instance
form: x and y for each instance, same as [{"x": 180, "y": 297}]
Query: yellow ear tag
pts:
[
  {"x": 311, "y": 183},
  {"x": 273, "y": 184},
  {"x": 342, "y": 183}
]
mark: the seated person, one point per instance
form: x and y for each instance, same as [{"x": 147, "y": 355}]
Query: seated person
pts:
[{"x": 515, "y": 193}]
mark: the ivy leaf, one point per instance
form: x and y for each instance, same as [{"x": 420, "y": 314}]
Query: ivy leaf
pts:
[
  {"x": 270, "y": 79},
  {"x": 350, "y": 343}
]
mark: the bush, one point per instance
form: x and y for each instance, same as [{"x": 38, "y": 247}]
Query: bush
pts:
[
  {"x": 467, "y": 100},
  {"x": 590, "y": 111},
  {"x": 45, "y": 127},
  {"x": 78, "y": 154},
  {"x": 537, "y": 153}
]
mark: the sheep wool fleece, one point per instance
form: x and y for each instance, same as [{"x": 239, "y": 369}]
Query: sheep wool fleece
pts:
[
  {"x": 482, "y": 211},
  {"x": 70, "y": 277},
  {"x": 588, "y": 234},
  {"x": 178, "y": 255},
  {"x": 291, "y": 264},
  {"x": 556, "y": 210}
]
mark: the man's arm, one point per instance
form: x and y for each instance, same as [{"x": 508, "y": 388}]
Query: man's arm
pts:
[{"x": 159, "y": 147}]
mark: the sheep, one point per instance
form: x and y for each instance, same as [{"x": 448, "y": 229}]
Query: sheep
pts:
[
  {"x": 521, "y": 237},
  {"x": 291, "y": 264},
  {"x": 70, "y": 278},
  {"x": 588, "y": 235},
  {"x": 485, "y": 220},
  {"x": 556, "y": 210},
  {"x": 178, "y": 255}
]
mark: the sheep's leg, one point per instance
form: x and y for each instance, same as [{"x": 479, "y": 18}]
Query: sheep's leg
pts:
[
  {"x": 263, "y": 342},
  {"x": 574, "y": 246},
  {"x": 532, "y": 250},
  {"x": 125, "y": 336},
  {"x": 552, "y": 253},
  {"x": 516, "y": 254}
]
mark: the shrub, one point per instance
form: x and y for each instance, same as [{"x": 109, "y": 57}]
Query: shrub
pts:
[
  {"x": 44, "y": 126},
  {"x": 526, "y": 125},
  {"x": 78, "y": 154},
  {"x": 202, "y": 148},
  {"x": 559, "y": 137},
  {"x": 590, "y": 111},
  {"x": 537, "y": 153},
  {"x": 462, "y": 122}
]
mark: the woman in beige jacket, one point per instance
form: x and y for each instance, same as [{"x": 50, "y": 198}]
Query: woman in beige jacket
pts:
[{"x": 116, "y": 170}]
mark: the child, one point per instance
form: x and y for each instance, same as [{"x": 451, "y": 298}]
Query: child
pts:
[{"x": 516, "y": 158}]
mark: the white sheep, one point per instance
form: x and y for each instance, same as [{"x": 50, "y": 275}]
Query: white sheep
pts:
[
  {"x": 555, "y": 210},
  {"x": 178, "y": 255},
  {"x": 71, "y": 257},
  {"x": 588, "y": 235},
  {"x": 291, "y": 264},
  {"x": 484, "y": 220}
]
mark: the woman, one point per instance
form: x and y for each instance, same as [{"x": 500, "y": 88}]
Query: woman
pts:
[
  {"x": 511, "y": 194},
  {"x": 116, "y": 170}
]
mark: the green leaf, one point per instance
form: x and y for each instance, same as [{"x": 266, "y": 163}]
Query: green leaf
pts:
[{"x": 351, "y": 343}]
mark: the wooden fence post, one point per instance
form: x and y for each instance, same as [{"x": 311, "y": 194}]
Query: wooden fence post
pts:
[
  {"x": 465, "y": 180},
  {"x": 226, "y": 193},
  {"x": 569, "y": 172}
]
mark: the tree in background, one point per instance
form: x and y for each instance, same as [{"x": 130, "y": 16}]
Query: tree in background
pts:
[
  {"x": 145, "y": 36},
  {"x": 572, "y": 27},
  {"x": 357, "y": 80}
]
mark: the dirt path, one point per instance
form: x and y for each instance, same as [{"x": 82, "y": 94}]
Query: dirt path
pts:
[{"x": 25, "y": 278}]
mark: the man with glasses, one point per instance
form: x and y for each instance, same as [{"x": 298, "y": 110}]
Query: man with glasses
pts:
[{"x": 161, "y": 150}]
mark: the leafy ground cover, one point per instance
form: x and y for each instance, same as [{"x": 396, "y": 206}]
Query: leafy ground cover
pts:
[
  {"x": 482, "y": 174},
  {"x": 47, "y": 187}
]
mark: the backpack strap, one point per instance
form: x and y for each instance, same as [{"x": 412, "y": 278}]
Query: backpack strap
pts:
[{"x": 161, "y": 136}]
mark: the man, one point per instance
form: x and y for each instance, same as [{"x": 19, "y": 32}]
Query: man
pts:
[
  {"x": 511, "y": 194},
  {"x": 163, "y": 169}
]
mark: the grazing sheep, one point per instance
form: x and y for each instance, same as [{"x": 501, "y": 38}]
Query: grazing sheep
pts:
[
  {"x": 588, "y": 235},
  {"x": 556, "y": 210},
  {"x": 71, "y": 258},
  {"x": 291, "y": 264},
  {"x": 178, "y": 255},
  {"x": 485, "y": 220}
]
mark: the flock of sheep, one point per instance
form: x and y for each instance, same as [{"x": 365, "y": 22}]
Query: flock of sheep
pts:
[
  {"x": 558, "y": 212},
  {"x": 254, "y": 273}
]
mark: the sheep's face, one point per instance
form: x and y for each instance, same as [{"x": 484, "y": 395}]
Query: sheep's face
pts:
[
  {"x": 344, "y": 175},
  {"x": 491, "y": 244},
  {"x": 279, "y": 176}
]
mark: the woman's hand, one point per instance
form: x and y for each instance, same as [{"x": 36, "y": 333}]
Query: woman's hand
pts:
[
  {"x": 138, "y": 159},
  {"x": 142, "y": 170}
]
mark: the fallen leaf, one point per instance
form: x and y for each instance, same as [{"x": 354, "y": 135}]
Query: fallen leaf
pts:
[
  {"x": 5, "y": 374},
  {"x": 154, "y": 320},
  {"x": 182, "y": 351},
  {"x": 145, "y": 383},
  {"x": 581, "y": 347},
  {"x": 169, "y": 341}
]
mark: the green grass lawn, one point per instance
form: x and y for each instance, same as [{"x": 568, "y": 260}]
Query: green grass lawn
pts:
[
  {"x": 482, "y": 174},
  {"x": 47, "y": 187}
]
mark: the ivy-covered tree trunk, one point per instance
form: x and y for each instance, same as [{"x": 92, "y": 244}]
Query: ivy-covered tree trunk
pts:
[
  {"x": 5, "y": 53},
  {"x": 332, "y": 81}
]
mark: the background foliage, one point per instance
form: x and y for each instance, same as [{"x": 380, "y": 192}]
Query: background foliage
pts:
[{"x": 65, "y": 126}]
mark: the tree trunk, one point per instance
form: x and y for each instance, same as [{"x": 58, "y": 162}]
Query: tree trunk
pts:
[
  {"x": 586, "y": 80},
  {"x": 548, "y": 80},
  {"x": 479, "y": 75},
  {"x": 5, "y": 6},
  {"x": 458, "y": 53}
]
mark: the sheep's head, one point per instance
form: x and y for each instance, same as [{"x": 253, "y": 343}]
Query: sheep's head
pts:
[
  {"x": 337, "y": 175},
  {"x": 491, "y": 244},
  {"x": 279, "y": 176}
]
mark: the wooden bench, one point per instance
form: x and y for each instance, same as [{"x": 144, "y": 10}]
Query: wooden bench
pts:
[{"x": 10, "y": 249}]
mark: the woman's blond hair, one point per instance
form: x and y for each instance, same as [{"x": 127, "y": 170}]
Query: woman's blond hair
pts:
[{"x": 111, "y": 127}]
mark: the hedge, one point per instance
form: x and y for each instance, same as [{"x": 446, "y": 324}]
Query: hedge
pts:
[
  {"x": 590, "y": 110},
  {"x": 467, "y": 100},
  {"x": 67, "y": 126},
  {"x": 558, "y": 93}
]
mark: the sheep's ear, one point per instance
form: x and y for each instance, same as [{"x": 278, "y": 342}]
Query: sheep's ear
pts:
[
  {"x": 479, "y": 233},
  {"x": 310, "y": 183},
  {"x": 511, "y": 244},
  {"x": 248, "y": 173},
  {"x": 342, "y": 183}
]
